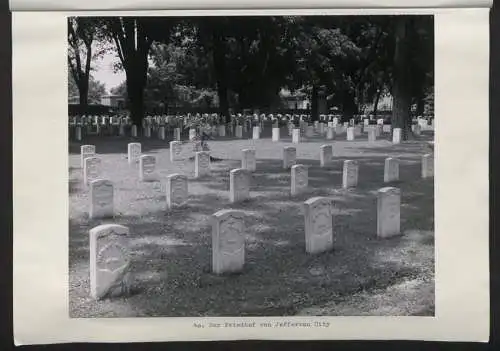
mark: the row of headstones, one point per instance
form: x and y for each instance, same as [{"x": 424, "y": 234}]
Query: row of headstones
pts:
[
  {"x": 101, "y": 190},
  {"x": 110, "y": 256}
]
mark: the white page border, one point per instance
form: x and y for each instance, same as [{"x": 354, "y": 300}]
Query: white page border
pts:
[{"x": 41, "y": 199}]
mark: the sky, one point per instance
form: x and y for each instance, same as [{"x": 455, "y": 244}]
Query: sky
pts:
[{"x": 103, "y": 71}]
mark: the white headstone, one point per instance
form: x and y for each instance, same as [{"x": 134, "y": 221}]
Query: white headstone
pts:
[
  {"x": 201, "y": 164},
  {"x": 417, "y": 130},
  {"x": 289, "y": 156},
  {"x": 248, "y": 160},
  {"x": 228, "y": 241},
  {"x": 239, "y": 185},
  {"x": 147, "y": 164},
  {"x": 318, "y": 219},
  {"x": 222, "y": 130},
  {"x": 372, "y": 135},
  {"x": 78, "y": 133},
  {"x": 134, "y": 131},
  {"x": 296, "y": 136},
  {"x": 357, "y": 130},
  {"x": 86, "y": 151},
  {"x": 339, "y": 129},
  {"x": 396, "y": 135},
  {"x": 121, "y": 130},
  {"x": 309, "y": 131},
  {"x": 276, "y": 134},
  {"x": 134, "y": 152},
  {"x": 391, "y": 170},
  {"x": 427, "y": 166},
  {"x": 147, "y": 132},
  {"x": 109, "y": 261},
  {"x": 366, "y": 122},
  {"x": 325, "y": 155},
  {"x": 192, "y": 133},
  {"x": 350, "y": 133},
  {"x": 177, "y": 134},
  {"x": 388, "y": 212},
  {"x": 101, "y": 199},
  {"x": 161, "y": 133},
  {"x": 300, "y": 179},
  {"x": 256, "y": 132},
  {"x": 321, "y": 129},
  {"x": 239, "y": 132},
  {"x": 330, "y": 133},
  {"x": 386, "y": 128},
  {"x": 378, "y": 130},
  {"x": 350, "y": 174},
  {"x": 177, "y": 190},
  {"x": 175, "y": 150},
  {"x": 91, "y": 169}
]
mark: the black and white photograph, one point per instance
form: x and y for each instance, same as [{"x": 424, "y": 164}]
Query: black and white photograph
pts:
[{"x": 251, "y": 166}]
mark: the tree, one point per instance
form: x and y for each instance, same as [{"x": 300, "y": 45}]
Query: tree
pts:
[
  {"x": 96, "y": 89},
  {"x": 83, "y": 48},
  {"x": 133, "y": 37}
]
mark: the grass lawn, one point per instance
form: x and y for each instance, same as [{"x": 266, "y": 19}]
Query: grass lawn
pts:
[{"x": 171, "y": 251}]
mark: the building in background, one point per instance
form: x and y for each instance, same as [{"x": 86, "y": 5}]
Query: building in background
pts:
[{"x": 116, "y": 101}]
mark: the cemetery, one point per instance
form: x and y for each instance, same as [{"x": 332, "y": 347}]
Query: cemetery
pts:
[
  {"x": 307, "y": 220},
  {"x": 251, "y": 166}
]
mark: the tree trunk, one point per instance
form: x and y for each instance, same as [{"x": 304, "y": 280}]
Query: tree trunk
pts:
[
  {"x": 219, "y": 57},
  {"x": 135, "y": 94},
  {"x": 83, "y": 92},
  {"x": 401, "y": 117},
  {"x": 349, "y": 107},
  {"x": 375, "y": 105},
  {"x": 420, "y": 105},
  {"x": 314, "y": 104}
]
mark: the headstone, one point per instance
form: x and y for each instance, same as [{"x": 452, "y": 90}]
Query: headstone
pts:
[
  {"x": 161, "y": 133},
  {"x": 147, "y": 164},
  {"x": 147, "y": 132},
  {"x": 318, "y": 220},
  {"x": 276, "y": 134},
  {"x": 380, "y": 121},
  {"x": 134, "y": 131},
  {"x": 350, "y": 133},
  {"x": 350, "y": 174},
  {"x": 325, "y": 155},
  {"x": 78, "y": 133},
  {"x": 86, "y": 151},
  {"x": 372, "y": 136},
  {"x": 177, "y": 190},
  {"x": 121, "y": 130},
  {"x": 366, "y": 122},
  {"x": 386, "y": 128},
  {"x": 239, "y": 185},
  {"x": 91, "y": 169},
  {"x": 396, "y": 135},
  {"x": 388, "y": 212},
  {"x": 321, "y": 128},
  {"x": 222, "y": 130},
  {"x": 201, "y": 164},
  {"x": 248, "y": 160},
  {"x": 256, "y": 132},
  {"x": 330, "y": 133},
  {"x": 192, "y": 133},
  {"x": 228, "y": 241},
  {"x": 239, "y": 132},
  {"x": 378, "y": 130},
  {"x": 134, "y": 152},
  {"x": 427, "y": 166},
  {"x": 177, "y": 134},
  {"x": 101, "y": 199},
  {"x": 175, "y": 150},
  {"x": 339, "y": 129},
  {"x": 296, "y": 136},
  {"x": 357, "y": 130},
  {"x": 289, "y": 156},
  {"x": 109, "y": 261},
  {"x": 417, "y": 130},
  {"x": 391, "y": 170},
  {"x": 309, "y": 131},
  {"x": 300, "y": 179}
]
